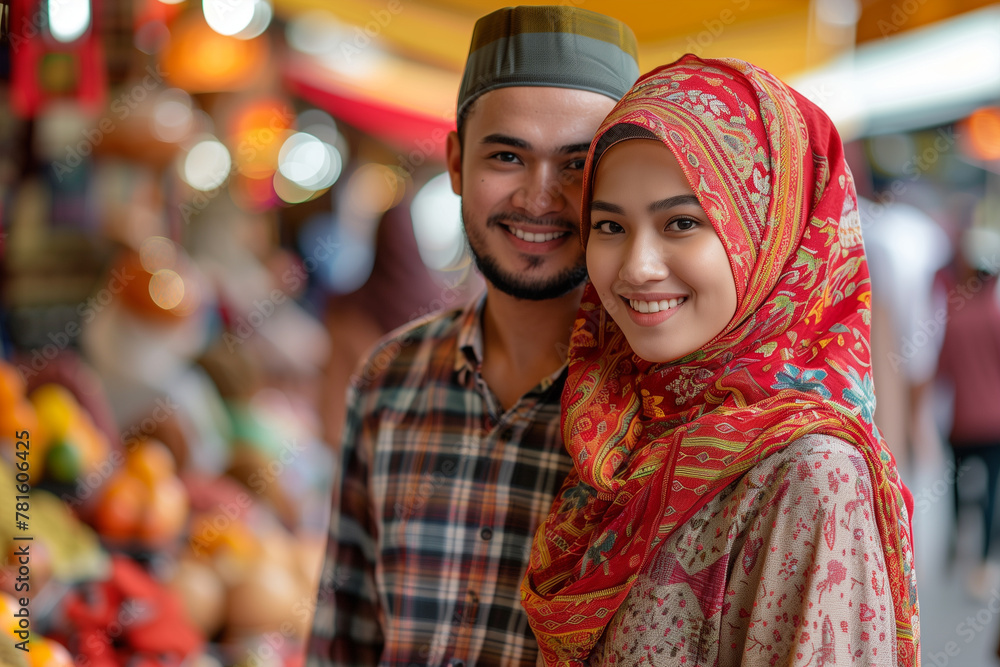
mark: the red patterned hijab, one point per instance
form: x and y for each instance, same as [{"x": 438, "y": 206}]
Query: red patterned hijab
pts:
[{"x": 652, "y": 443}]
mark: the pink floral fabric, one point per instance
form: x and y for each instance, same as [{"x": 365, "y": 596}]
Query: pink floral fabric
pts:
[{"x": 785, "y": 567}]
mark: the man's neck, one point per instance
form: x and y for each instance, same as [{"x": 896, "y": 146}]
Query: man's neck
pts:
[{"x": 524, "y": 341}]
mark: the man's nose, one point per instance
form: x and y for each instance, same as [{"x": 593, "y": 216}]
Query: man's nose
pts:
[{"x": 542, "y": 192}]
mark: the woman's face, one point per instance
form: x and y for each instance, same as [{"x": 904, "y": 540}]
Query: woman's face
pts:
[{"x": 660, "y": 269}]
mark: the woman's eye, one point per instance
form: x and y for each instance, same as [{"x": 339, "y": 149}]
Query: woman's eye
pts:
[
  {"x": 683, "y": 224},
  {"x": 608, "y": 227}
]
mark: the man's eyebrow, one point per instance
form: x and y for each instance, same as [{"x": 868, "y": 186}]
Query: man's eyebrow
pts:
[
  {"x": 671, "y": 202},
  {"x": 607, "y": 207},
  {"x": 506, "y": 140},
  {"x": 575, "y": 148},
  {"x": 514, "y": 142}
]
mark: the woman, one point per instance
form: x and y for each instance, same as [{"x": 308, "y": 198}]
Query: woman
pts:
[{"x": 732, "y": 500}]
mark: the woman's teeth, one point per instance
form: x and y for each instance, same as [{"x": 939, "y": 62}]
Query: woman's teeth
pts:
[
  {"x": 531, "y": 237},
  {"x": 655, "y": 306}
]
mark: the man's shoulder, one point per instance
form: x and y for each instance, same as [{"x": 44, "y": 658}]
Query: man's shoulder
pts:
[{"x": 412, "y": 345}]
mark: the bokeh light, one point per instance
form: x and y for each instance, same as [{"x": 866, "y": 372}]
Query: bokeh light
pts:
[
  {"x": 68, "y": 19},
  {"x": 166, "y": 289},
  {"x": 207, "y": 165},
  {"x": 437, "y": 223},
  {"x": 984, "y": 133},
  {"x": 262, "y": 14},
  {"x": 172, "y": 116},
  {"x": 157, "y": 253},
  {"x": 228, "y": 17}
]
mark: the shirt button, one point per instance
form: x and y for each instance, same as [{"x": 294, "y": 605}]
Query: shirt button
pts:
[
  {"x": 507, "y": 434},
  {"x": 486, "y": 534}
]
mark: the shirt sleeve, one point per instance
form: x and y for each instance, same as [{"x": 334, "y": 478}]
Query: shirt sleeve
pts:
[
  {"x": 346, "y": 629},
  {"x": 809, "y": 583}
]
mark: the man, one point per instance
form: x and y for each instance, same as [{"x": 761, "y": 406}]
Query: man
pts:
[{"x": 452, "y": 449}]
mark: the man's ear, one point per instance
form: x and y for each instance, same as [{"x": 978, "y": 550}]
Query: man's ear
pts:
[{"x": 454, "y": 160}]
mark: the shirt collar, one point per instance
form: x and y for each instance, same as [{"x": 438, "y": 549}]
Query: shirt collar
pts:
[{"x": 469, "y": 355}]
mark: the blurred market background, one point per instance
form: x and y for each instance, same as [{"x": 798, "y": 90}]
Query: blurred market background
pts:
[{"x": 211, "y": 209}]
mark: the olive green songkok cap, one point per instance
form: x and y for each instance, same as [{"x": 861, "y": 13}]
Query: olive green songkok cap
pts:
[{"x": 558, "y": 46}]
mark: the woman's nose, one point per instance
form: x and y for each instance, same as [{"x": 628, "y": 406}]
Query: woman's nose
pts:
[{"x": 643, "y": 263}]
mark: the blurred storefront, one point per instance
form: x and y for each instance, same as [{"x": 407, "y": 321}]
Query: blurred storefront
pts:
[{"x": 210, "y": 210}]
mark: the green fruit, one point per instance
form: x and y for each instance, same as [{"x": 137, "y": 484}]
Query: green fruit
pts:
[{"x": 64, "y": 463}]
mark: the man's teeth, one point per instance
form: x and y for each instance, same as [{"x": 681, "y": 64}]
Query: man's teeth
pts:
[
  {"x": 535, "y": 238},
  {"x": 655, "y": 306}
]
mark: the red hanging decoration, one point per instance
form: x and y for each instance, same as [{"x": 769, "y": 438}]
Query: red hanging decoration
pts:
[{"x": 44, "y": 69}]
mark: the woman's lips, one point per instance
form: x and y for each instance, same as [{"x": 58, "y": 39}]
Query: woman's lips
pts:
[{"x": 651, "y": 310}]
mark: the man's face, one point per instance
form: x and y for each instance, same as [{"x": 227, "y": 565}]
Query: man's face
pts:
[{"x": 519, "y": 177}]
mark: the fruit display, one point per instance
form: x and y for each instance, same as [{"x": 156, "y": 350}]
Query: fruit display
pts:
[
  {"x": 18, "y": 419},
  {"x": 144, "y": 501},
  {"x": 38, "y": 651},
  {"x": 66, "y": 445}
]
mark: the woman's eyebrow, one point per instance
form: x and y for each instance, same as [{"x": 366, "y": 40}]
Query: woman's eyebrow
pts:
[
  {"x": 607, "y": 207},
  {"x": 671, "y": 202}
]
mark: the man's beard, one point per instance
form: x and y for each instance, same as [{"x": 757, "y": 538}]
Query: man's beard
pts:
[{"x": 521, "y": 286}]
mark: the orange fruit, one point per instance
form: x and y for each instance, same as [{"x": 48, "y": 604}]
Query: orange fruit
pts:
[
  {"x": 121, "y": 507},
  {"x": 11, "y": 384},
  {"x": 48, "y": 653},
  {"x": 92, "y": 442},
  {"x": 8, "y": 607},
  {"x": 166, "y": 512},
  {"x": 151, "y": 461}
]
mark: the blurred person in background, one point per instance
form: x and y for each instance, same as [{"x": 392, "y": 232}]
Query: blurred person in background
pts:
[
  {"x": 399, "y": 290},
  {"x": 906, "y": 247},
  {"x": 969, "y": 365},
  {"x": 452, "y": 450}
]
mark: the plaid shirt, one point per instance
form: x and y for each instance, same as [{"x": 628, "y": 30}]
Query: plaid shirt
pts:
[{"x": 441, "y": 494}]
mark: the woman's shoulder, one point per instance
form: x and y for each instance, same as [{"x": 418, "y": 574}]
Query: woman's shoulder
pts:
[
  {"x": 813, "y": 473},
  {"x": 812, "y": 460}
]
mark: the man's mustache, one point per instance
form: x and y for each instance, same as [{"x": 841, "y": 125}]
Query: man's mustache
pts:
[{"x": 504, "y": 218}]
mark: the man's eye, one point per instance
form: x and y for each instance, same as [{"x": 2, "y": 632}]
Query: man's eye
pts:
[
  {"x": 577, "y": 164},
  {"x": 505, "y": 157}
]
